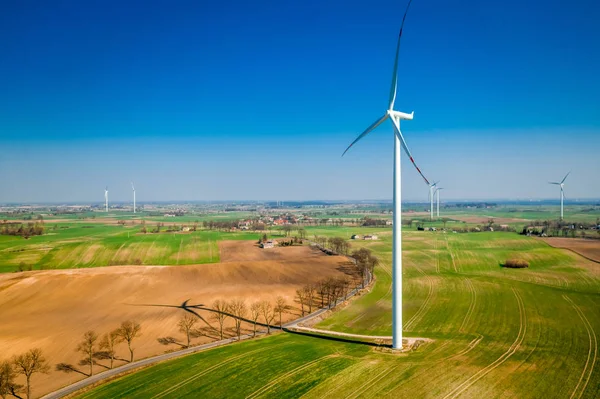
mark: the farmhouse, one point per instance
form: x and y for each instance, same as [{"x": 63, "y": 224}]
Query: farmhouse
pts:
[
  {"x": 267, "y": 244},
  {"x": 355, "y": 237},
  {"x": 370, "y": 237}
]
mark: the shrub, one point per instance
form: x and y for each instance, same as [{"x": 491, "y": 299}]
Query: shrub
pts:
[{"x": 516, "y": 263}]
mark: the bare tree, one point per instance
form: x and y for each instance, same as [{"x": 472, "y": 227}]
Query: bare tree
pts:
[
  {"x": 88, "y": 347},
  {"x": 280, "y": 307},
  {"x": 322, "y": 290},
  {"x": 344, "y": 283},
  {"x": 108, "y": 343},
  {"x": 186, "y": 325},
  {"x": 301, "y": 295},
  {"x": 237, "y": 308},
  {"x": 309, "y": 294},
  {"x": 29, "y": 363},
  {"x": 254, "y": 315},
  {"x": 128, "y": 331},
  {"x": 221, "y": 308},
  {"x": 7, "y": 380},
  {"x": 267, "y": 313}
]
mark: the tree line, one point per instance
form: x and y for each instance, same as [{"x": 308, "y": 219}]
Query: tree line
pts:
[{"x": 24, "y": 230}]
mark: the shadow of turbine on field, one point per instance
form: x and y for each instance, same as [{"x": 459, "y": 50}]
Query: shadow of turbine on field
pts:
[
  {"x": 193, "y": 309},
  {"x": 188, "y": 308}
]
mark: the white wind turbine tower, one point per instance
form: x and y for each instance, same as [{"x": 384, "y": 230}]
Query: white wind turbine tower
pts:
[
  {"x": 437, "y": 192},
  {"x": 432, "y": 186},
  {"x": 133, "y": 188},
  {"x": 562, "y": 192},
  {"x": 395, "y": 118},
  {"x": 106, "y": 199}
]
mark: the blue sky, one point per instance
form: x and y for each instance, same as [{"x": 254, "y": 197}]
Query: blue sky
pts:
[{"x": 199, "y": 101}]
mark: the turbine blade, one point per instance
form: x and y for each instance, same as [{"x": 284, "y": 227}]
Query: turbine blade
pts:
[
  {"x": 553, "y": 182},
  {"x": 403, "y": 142},
  {"x": 395, "y": 72},
  {"x": 563, "y": 180},
  {"x": 369, "y": 130}
]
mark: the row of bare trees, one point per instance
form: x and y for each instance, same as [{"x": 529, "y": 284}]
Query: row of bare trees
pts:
[
  {"x": 327, "y": 292},
  {"x": 22, "y": 229},
  {"x": 338, "y": 245},
  {"x": 95, "y": 347},
  {"x": 239, "y": 311}
]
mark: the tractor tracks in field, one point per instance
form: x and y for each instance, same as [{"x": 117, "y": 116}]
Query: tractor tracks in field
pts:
[
  {"x": 194, "y": 377},
  {"x": 370, "y": 383},
  {"x": 505, "y": 356},
  {"x": 423, "y": 309},
  {"x": 270, "y": 384},
  {"x": 179, "y": 251},
  {"x": 593, "y": 347},
  {"x": 451, "y": 254},
  {"x": 472, "y": 305}
]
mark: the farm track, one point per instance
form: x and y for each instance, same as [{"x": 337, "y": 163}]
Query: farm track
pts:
[
  {"x": 593, "y": 343},
  {"x": 423, "y": 309},
  {"x": 472, "y": 305},
  {"x": 505, "y": 356}
]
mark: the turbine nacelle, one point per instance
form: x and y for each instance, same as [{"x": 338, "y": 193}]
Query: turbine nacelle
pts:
[{"x": 400, "y": 115}]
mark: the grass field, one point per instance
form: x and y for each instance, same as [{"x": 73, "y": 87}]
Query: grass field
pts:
[
  {"x": 91, "y": 245},
  {"x": 526, "y": 333}
]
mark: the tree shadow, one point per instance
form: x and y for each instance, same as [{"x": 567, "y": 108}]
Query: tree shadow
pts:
[
  {"x": 69, "y": 368},
  {"x": 205, "y": 332},
  {"x": 169, "y": 340},
  {"x": 194, "y": 308}
]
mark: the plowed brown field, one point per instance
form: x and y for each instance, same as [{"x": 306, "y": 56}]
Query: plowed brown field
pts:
[
  {"x": 588, "y": 248},
  {"x": 52, "y": 309}
]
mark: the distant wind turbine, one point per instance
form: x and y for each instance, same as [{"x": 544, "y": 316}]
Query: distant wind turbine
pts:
[
  {"x": 133, "y": 188},
  {"x": 437, "y": 191},
  {"x": 106, "y": 199},
  {"x": 562, "y": 192},
  {"x": 395, "y": 118},
  {"x": 432, "y": 187}
]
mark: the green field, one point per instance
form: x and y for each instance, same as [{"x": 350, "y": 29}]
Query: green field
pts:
[
  {"x": 526, "y": 333},
  {"x": 79, "y": 245}
]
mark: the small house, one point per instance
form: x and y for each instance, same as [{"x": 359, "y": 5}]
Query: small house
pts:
[
  {"x": 370, "y": 237},
  {"x": 267, "y": 244},
  {"x": 355, "y": 237}
]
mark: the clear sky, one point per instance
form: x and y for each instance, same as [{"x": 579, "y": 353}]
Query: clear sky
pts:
[{"x": 257, "y": 100}]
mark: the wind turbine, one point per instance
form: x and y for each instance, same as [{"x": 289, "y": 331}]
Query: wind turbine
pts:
[
  {"x": 432, "y": 186},
  {"x": 106, "y": 199},
  {"x": 133, "y": 188},
  {"x": 437, "y": 191},
  {"x": 395, "y": 118},
  {"x": 562, "y": 192}
]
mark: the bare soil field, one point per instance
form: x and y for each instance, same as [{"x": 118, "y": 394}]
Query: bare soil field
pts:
[
  {"x": 52, "y": 309},
  {"x": 587, "y": 248},
  {"x": 233, "y": 251}
]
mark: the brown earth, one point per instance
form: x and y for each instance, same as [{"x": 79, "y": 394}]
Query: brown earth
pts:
[
  {"x": 52, "y": 309},
  {"x": 588, "y": 248}
]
